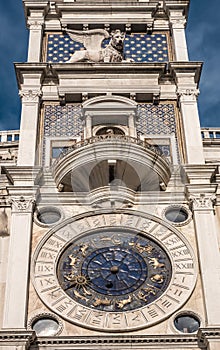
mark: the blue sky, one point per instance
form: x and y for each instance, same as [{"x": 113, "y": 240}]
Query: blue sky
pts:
[{"x": 203, "y": 32}]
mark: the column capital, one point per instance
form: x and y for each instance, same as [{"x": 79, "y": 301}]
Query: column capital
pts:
[
  {"x": 22, "y": 204},
  {"x": 30, "y": 95},
  {"x": 187, "y": 94},
  {"x": 202, "y": 201},
  {"x": 177, "y": 17},
  {"x": 35, "y": 24},
  {"x": 178, "y": 22}
]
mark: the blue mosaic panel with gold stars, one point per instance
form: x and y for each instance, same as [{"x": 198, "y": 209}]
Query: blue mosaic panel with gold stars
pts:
[{"x": 139, "y": 47}]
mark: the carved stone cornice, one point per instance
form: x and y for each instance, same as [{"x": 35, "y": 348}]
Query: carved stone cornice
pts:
[
  {"x": 200, "y": 174},
  {"x": 187, "y": 94},
  {"x": 20, "y": 175},
  {"x": 202, "y": 201},
  {"x": 16, "y": 337},
  {"x": 30, "y": 95},
  {"x": 186, "y": 74},
  {"x": 22, "y": 204},
  {"x": 208, "y": 335},
  {"x": 119, "y": 342}
]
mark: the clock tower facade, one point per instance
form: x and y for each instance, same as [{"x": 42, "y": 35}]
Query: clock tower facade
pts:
[{"x": 110, "y": 213}]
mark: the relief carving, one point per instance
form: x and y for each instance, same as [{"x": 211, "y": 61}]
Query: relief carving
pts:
[
  {"x": 22, "y": 204},
  {"x": 30, "y": 95},
  {"x": 188, "y": 94},
  {"x": 202, "y": 201},
  {"x": 178, "y": 23},
  {"x": 35, "y": 24}
]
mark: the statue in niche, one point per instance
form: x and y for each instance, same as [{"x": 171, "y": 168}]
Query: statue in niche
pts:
[{"x": 92, "y": 40}]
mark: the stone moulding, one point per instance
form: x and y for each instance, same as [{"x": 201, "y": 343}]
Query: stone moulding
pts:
[
  {"x": 115, "y": 342},
  {"x": 205, "y": 335},
  {"x": 16, "y": 337}
]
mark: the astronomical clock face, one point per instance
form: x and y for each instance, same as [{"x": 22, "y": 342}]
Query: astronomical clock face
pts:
[{"x": 114, "y": 272}]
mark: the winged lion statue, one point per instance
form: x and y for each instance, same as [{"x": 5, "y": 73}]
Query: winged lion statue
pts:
[{"x": 94, "y": 52}]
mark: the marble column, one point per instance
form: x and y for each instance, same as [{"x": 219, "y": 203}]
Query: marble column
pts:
[
  {"x": 88, "y": 126},
  {"x": 16, "y": 293},
  {"x": 131, "y": 125}
]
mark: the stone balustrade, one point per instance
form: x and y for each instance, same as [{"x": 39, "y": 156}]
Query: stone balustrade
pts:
[{"x": 9, "y": 136}]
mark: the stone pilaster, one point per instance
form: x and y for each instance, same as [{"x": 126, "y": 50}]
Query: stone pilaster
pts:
[
  {"x": 29, "y": 126},
  {"x": 202, "y": 199},
  {"x": 16, "y": 293},
  {"x": 190, "y": 122},
  {"x": 35, "y": 24},
  {"x": 201, "y": 193},
  {"x": 177, "y": 24}
]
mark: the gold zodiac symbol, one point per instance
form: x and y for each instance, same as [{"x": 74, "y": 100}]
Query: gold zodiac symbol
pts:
[
  {"x": 80, "y": 296},
  {"x": 157, "y": 278},
  {"x": 73, "y": 260},
  {"x": 121, "y": 303},
  {"x": 99, "y": 302},
  {"x": 83, "y": 249},
  {"x": 148, "y": 248},
  {"x": 145, "y": 292},
  {"x": 155, "y": 263}
]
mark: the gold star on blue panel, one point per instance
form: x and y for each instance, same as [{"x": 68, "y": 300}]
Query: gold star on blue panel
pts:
[{"x": 139, "y": 47}]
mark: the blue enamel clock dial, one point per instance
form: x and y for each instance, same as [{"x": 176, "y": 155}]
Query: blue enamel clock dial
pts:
[{"x": 114, "y": 271}]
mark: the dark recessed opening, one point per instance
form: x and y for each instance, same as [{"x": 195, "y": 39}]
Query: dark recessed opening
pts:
[
  {"x": 187, "y": 323},
  {"x": 48, "y": 216},
  {"x": 176, "y": 215}
]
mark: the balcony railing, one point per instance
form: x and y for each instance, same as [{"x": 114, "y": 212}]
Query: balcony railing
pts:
[
  {"x": 110, "y": 138},
  {"x": 9, "y": 136},
  {"x": 210, "y": 133}
]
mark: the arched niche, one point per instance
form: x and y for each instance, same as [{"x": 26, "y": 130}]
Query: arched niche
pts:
[{"x": 107, "y": 111}]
